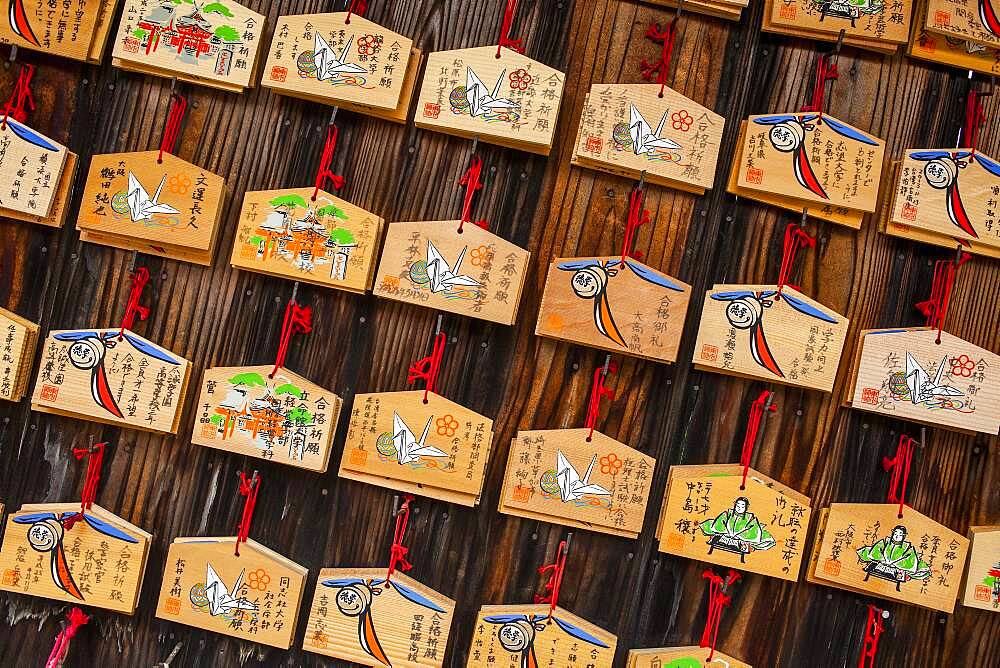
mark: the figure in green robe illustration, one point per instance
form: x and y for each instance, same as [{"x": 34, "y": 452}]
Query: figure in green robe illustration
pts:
[
  {"x": 893, "y": 558},
  {"x": 737, "y": 530}
]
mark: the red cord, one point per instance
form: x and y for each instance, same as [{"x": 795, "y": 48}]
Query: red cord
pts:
[
  {"x": 661, "y": 68},
  {"x": 95, "y": 460},
  {"x": 140, "y": 277},
  {"x": 172, "y": 129},
  {"x": 873, "y": 629},
  {"x": 935, "y": 309},
  {"x": 554, "y": 583},
  {"x": 75, "y": 618},
  {"x": 323, "y": 172},
  {"x": 757, "y": 409},
  {"x": 900, "y": 467},
  {"x": 298, "y": 320},
  {"x": 505, "y": 27},
  {"x": 398, "y": 551},
  {"x": 717, "y": 600},
  {"x": 427, "y": 368},
  {"x": 826, "y": 71},
  {"x": 356, "y": 7},
  {"x": 637, "y": 217},
  {"x": 598, "y": 392},
  {"x": 795, "y": 238},
  {"x": 20, "y": 96},
  {"x": 974, "y": 120},
  {"x": 248, "y": 488},
  {"x": 470, "y": 179}
]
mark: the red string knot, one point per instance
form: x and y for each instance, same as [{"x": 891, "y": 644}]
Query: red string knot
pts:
[
  {"x": 172, "y": 128},
  {"x": 935, "y": 309},
  {"x": 140, "y": 277},
  {"x": 717, "y": 600},
  {"x": 873, "y": 630},
  {"x": 666, "y": 38},
  {"x": 899, "y": 465},
  {"x": 637, "y": 217},
  {"x": 470, "y": 179},
  {"x": 74, "y": 620},
  {"x": 20, "y": 97},
  {"x": 427, "y": 368},
  {"x": 796, "y": 239},
  {"x": 554, "y": 582},
  {"x": 826, "y": 70},
  {"x": 597, "y": 392},
  {"x": 298, "y": 320},
  {"x": 398, "y": 551},
  {"x": 323, "y": 172},
  {"x": 95, "y": 460},
  {"x": 757, "y": 410},
  {"x": 249, "y": 487},
  {"x": 506, "y": 41}
]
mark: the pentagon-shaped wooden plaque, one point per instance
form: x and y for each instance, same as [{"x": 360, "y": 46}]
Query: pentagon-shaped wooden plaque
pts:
[
  {"x": 64, "y": 30},
  {"x": 982, "y": 577},
  {"x": 874, "y": 20},
  {"x": 681, "y": 657},
  {"x": 941, "y": 49},
  {"x": 31, "y": 167},
  {"x": 973, "y": 21},
  {"x": 18, "y": 339}
]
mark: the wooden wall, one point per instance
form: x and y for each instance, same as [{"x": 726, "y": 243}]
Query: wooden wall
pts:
[{"x": 218, "y": 316}]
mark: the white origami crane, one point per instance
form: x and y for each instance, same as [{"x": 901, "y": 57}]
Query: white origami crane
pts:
[
  {"x": 408, "y": 448},
  {"x": 922, "y": 388},
  {"x": 329, "y": 65},
  {"x": 140, "y": 205},
  {"x": 644, "y": 140},
  {"x": 571, "y": 486},
  {"x": 220, "y": 600},
  {"x": 481, "y": 100},
  {"x": 443, "y": 277}
]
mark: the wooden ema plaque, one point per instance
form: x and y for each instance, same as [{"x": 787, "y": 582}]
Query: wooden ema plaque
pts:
[
  {"x": 97, "y": 559},
  {"x": 475, "y": 273},
  {"x": 767, "y": 25},
  {"x": 60, "y": 200},
  {"x": 949, "y": 192},
  {"x": 355, "y": 64},
  {"x": 357, "y": 616},
  {"x": 511, "y": 101},
  {"x": 630, "y": 130},
  {"x": 707, "y": 517},
  {"x": 284, "y": 419},
  {"x": 170, "y": 209},
  {"x": 31, "y": 165},
  {"x": 723, "y": 9},
  {"x": 254, "y": 596},
  {"x": 508, "y": 636},
  {"x": 65, "y": 30},
  {"x": 799, "y": 344},
  {"x": 326, "y": 241},
  {"x": 871, "y": 20},
  {"x": 982, "y": 577},
  {"x": 559, "y": 476},
  {"x": 437, "y": 449},
  {"x": 946, "y": 50},
  {"x": 811, "y": 157},
  {"x": 18, "y": 338},
  {"x": 115, "y": 378},
  {"x": 905, "y": 374},
  {"x": 623, "y": 307},
  {"x": 969, "y": 20},
  {"x": 866, "y": 548},
  {"x": 681, "y": 657},
  {"x": 212, "y": 43}
]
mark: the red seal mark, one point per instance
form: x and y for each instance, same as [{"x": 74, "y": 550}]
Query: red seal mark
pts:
[
  {"x": 594, "y": 144},
  {"x": 909, "y": 212},
  {"x": 755, "y": 175},
  {"x": 787, "y": 11},
  {"x": 432, "y": 110},
  {"x": 942, "y": 18},
  {"x": 279, "y": 73},
  {"x": 983, "y": 593},
  {"x": 869, "y": 395},
  {"x": 710, "y": 353},
  {"x": 49, "y": 392}
]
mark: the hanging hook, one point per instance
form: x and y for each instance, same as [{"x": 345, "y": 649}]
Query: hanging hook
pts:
[
  {"x": 333, "y": 115},
  {"x": 13, "y": 53},
  {"x": 295, "y": 291}
]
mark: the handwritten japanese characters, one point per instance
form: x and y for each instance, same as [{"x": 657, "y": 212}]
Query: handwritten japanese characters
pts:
[
  {"x": 885, "y": 21},
  {"x": 982, "y": 577},
  {"x": 473, "y": 273},
  {"x": 69, "y": 30},
  {"x": 359, "y": 616},
  {"x": 906, "y": 374},
  {"x": 522, "y": 635},
  {"x": 60, "y": 199},
  {"x": 169, "y": 208},
  {"x": 18, "y": 339},
  {"x": 962, "y": 54},
  {"x": 977, "y": 22},
  {"x": 681, "y": 657},
  {"x": 351, "y": 63},
  {"x": 31, "y": 166},
  {"x": 437, "y": 449},
  {"x": 280, "y": 417},
  {"x": 709, "y": 515},
  {"x": 630, "y": 130},
  {"x": 811, "y": 158},
  {"x": 210, "y": 43},
  {"x": 608, "y": 303},
  {"x": 255, "y": 596},
  {"x": 868, "y": 548},
  {"x": 755, "y": 331},
  {"x": 111, "y": 376},
  {"x": 326, "y": 241},
  {"x": 560, "y": 476},
  {"x": 90, "y": 557},
  {"x": 512, "y": 100}
]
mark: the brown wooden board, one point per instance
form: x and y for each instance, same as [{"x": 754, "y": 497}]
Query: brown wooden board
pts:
[
  {"x": 681, "y": 657},
  {"x": 964, "y": 19},
  {"x": 402, "y": 622},
  {"x": 870, "y": 19},
  {"x": 60, "y": 202},
  {"x": 31, "y": 165},
  {"x": 60, "y": 29},
  {"x": 937, "y": 48},
  {"x": 982, "y": 575},
  {"x": 18, "y": 338},
  {"x": 767, "y": 25}
]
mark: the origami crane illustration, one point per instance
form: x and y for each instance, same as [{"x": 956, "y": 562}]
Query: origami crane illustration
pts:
[
  {"x": 924, "y": 389},
  {"x": 354, "y": 598},
  {"x": 481, "y": 100},
  {"x": 644, "y": 140},
  {"x": 223, "y": 601},
  {"x": 46, "y": 535},
  {"x": 87, "y": 352},
  {"x": 517, "y": 634},
  {"x": 442, "y": 277},
  {"x": 328, "y": 65},
  {"x": 408, "y": 448},
  {"x": 140, "y": 205},
  {"x": 590, "y": 281},
  {"x": 788, "y": 134},
  {"x": 941, "y": 172},
  {"x": 19, "y": 22},
  {"x": 989, "y": 17},
  {"x": 29, "y": 135},
  {"x": 746, "y": 311},
  {"x": 571, "y": 486}
]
